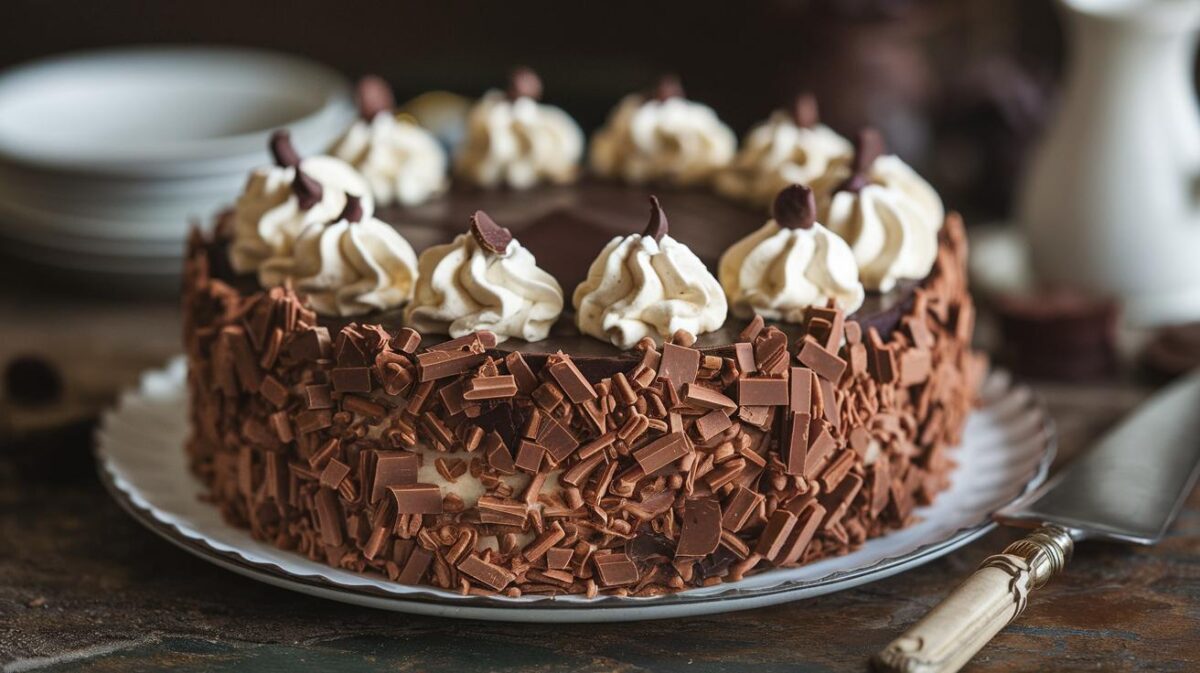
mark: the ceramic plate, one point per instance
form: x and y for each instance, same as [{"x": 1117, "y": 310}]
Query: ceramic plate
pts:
[{"x": 1008, "y": 446}]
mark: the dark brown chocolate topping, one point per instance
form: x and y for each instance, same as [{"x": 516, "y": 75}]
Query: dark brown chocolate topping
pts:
[
  {"x": 795, "y": 208},
  {"x": 282, "y": 151},
  {"x": 353, "y": 212},
  {"x": 523, "y": 82},
  {"x": 308, "y": 191},
  {"x": 669, "y": 86},
  {"x": 868, "y": 146},
  {"x": 805, "y": 112},
  {"x": 657, "y": 228},
  {"x": 489, "y": 235},
  {"x": 373, "y": 96}
]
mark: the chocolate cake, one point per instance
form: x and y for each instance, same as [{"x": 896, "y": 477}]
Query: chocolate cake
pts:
[{"x": 566, "y": 464}]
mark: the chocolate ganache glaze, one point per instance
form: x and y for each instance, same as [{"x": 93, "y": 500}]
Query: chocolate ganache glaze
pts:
[{"x": 565, "y": 227}]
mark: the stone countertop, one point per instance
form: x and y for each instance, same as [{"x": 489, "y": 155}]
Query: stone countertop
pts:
[{"x": 84, "y": 587}]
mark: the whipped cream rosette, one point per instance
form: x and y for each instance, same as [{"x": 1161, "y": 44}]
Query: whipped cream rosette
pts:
[
  {"x": 888, "y": 214},
  {"x": 280, "y": 201},
  {"x": 648, "y": 285},
  {"x": 663, "y": 137},
  {"x": 484, "y": 280},
  {"x": 791, "y": 147},
  {"x": 403, "y": 163},
  {"x": 790, "y": 265},
  {"x": 353, "y": 265},
  {"x": 514, "y": 141}
]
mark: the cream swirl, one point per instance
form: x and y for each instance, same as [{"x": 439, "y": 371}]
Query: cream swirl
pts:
[
  {"x": 887, "y": 213},
  {"x": 280, "y": 201},
  {"x": 791, "y": 147},
  {"x": 484, "y": 280},
  {"x": 648, "y": 284},
  {"x": 513, "y": 140},
  {"x": 791, "y": 264},
  {"x": 354, "y": 265},
  {"x": 662, "y": 138}
]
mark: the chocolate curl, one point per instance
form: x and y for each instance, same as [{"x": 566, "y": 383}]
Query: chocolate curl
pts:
[
  {"x": 282, "y": 151},
  {"x": 353, "y": 212},
  {"x": 523, "y": 82},
  {"x": 805, "y": 112},
  {"x": 489, "y": 235},
  {"x": 795, "y": 207},
  {"x": 658, "y": 221},
  {"x": 868, "y": 145},
  {"x": 668, "y": 87},
  {"x": 308, "y": 191},
  {"x": 373, "y": 96}
]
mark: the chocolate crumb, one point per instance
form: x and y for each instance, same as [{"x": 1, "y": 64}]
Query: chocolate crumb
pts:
[
  {"x": 373, "y": 96},
  {"x": 523, "y": 82},
  {"x": 657, "y": 228},
  {"x": 804, "y": 110},
  {"x": 795, "y": 207},
  {"x": 282, "y": 150},
  {"x": 489, "y": 235}
]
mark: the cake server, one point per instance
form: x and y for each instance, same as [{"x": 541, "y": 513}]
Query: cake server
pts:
[{"x": 1127, "y": 488}]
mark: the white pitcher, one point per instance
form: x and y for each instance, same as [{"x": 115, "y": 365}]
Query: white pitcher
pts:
[{"x": 1111, "y": 202}]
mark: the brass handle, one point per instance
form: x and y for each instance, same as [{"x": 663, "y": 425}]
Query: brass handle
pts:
[{"x": 946, "y": 638}]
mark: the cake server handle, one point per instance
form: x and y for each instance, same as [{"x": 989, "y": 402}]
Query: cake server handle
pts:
[{"x": 994, "y": 595}]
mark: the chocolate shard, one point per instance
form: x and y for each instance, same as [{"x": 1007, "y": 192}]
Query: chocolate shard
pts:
[
  {"x": 701, "y": 532},
  {"x": 490, "y": 387},
  {"x": 805, "y": 112},
  {"x": 393, "y": 468},
  {"x": 489, "y": 235},
  {"x": 282, "y": 151},
  {"x": 678, "y": 365},
  {"x": 795, "y": 207},
  {"x": 373, "y": 96},
  {"x": 417, "y": 498},
  {"x": 868, "y": 146},
  {"x": 762, "y": 392},
  {"x": 490, "y": 574},
  {"x": 308, "y": 191},
  {"x": 657, "y": 228},
  {"x": 662, "y": 452},
  {"x": 353, "y": 212},
  {"x": 669, "y": 86},
  {"x": 523, "y": 82},
  {"x": 615, "y": 569}
]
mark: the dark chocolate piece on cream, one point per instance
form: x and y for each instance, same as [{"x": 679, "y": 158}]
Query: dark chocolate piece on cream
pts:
[
  {"x": 658, "y": 226},
  {"x": 669, "y": 86},
  {"x": 795, "y": 207},
  {"x": 353, "y": 212},
  {"x": 489, "y": 235},
  {"x": 805, "y": 112},
  {"x": 373, "y": 96},
  {"x": 308, "y": 191},
  {"x": 868, "y": 146},
  {"x": 282, "y": 150},
  {"x": 523, "y": 82}
]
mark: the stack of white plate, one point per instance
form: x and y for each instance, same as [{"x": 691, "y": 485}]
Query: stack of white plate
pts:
[{"x": 107, "y": 158}]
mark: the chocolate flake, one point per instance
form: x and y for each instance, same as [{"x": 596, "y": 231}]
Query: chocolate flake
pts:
[
  {"x": 489, "y": 235},
  {"x": 701, "y": 531},
  {"x": 701, "y": 397},
  {"x": 795, "y": 207},
  {"x": 490, "y": 387},
  {"x": 826, "y": 364},
  {"x": 657, "y": 228},
  {"x": 679, "y": 365},
  {"x": 740, "y": 508},
  {"x": 570, "y": 379},
  {"x": 526, "y": 380},
  {"x": 662, "y": 452},
  {"x": 393, "y": 468},
  {"x": 615, "y": 569},
  {"x": 802, "y": 534},
  {"x": 351, "y": 379},
  {"x": 415, "y": 567},
  {"x": 439, "y": 364},
  {"x": 417, "y": 498},
  {"x": 318, "y": 396},
  {"x": 488, "y": 573},
  {"x": 775, "y": 536},
  {"x": 762, "y": 392}
]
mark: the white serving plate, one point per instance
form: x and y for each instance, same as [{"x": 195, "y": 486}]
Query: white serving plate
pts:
[
  {"x": 1007, "y": 450},
  {"x": 163, "y": 111}
]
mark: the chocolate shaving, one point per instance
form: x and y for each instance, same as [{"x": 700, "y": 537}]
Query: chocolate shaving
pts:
[
  {"x": 489, "y": 235},
  {"x": 804, "y": 110},
  {"x": 523, "y": 82},
  {"x": 762, "y": 392},
  {"x": 282, "y": 151},
  {"x": 795, "y": 207},
  {"x": 868, "y": 146},
  {"x": 657, "y": 228},
  {"x": 373, "y": 96}
]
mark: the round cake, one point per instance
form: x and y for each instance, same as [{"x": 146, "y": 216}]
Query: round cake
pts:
[{"x": 454, "y": 419}]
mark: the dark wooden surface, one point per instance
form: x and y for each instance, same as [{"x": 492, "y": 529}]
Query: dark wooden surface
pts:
[{"x": 84, "y": 587}]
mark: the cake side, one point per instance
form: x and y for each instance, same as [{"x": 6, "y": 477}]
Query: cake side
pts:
[{"x": 470, "y": 469}]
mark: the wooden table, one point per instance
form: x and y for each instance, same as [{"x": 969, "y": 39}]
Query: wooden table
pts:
[{"x": 84, "y": 587}]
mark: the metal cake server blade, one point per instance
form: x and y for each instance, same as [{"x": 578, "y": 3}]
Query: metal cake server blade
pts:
[{"x": 1127, "y": 488}]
